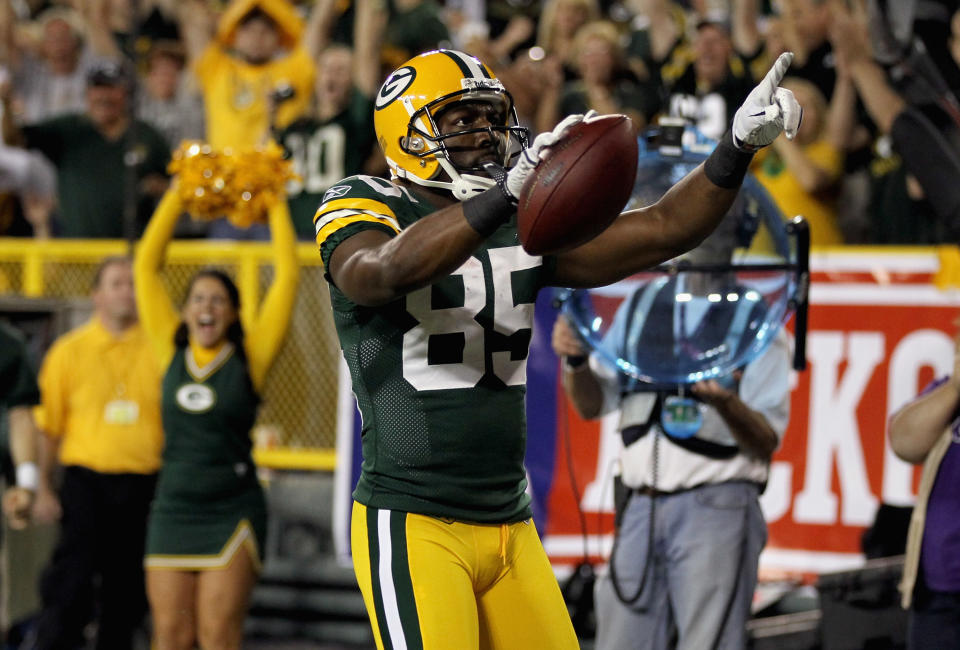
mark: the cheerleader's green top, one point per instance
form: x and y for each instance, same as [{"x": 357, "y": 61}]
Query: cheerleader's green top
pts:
[{"x": 208, "y": 500}]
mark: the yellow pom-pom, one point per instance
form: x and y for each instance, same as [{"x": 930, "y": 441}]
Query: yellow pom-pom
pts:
[{"x": 240, "y": 185}]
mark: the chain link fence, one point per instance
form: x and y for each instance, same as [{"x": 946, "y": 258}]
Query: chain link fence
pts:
[{"x": 296, "y": 427}]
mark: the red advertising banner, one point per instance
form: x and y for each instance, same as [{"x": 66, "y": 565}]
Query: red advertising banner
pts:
[{"x": 880, "y": 329}]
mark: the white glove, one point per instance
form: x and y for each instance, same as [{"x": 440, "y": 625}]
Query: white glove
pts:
[
  {"x": 767, "y": 111},
  {"x": 530, "y": 157}
]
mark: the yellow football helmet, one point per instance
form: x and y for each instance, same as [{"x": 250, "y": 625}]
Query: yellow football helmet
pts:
[{"x": 405, "y": 112}]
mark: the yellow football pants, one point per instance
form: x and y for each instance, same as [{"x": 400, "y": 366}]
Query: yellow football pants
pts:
[{"x": 436, "y": 584}]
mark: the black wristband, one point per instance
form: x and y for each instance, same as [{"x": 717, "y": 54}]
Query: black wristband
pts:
[
  {"x": 575, "y": 360},
  {"x": 487, "y": 211},
  {"x": 727, "y": 165}
]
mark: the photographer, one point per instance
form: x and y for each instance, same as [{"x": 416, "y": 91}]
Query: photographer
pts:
[{"x": 690, "y": 529}]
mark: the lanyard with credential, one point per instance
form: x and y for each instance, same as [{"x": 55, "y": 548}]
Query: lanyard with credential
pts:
[{"x": 680, "y": 416}]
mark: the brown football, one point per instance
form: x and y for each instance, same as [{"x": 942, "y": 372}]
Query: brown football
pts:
[{"x": 580, "y": 187}]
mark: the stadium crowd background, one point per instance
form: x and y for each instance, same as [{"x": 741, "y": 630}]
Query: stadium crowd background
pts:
[{"x": 311, "y": 88}]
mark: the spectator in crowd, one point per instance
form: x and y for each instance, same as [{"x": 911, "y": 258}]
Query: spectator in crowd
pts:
[
  {"x": 497, "y": 15},
  {"x": 528, "y": 75},
  {"x": 920, "y": 202},
  {"x": 92, "y": 152},
  {"x": 415, "y": 26},
  {"x": 898, "y": 210},
  {"x": 517, "y": 32},
  {"x": 28, "y": 182},
  {"x": 806, "y": 26},
  {"x": 658, "y": 27},
  {"x": 690, "y": 527},
  {"x": 31, "y": 182},
  {"x": 137, "y": 25},
  {"x": 167, "y": 100},
  {"x": 18, "y": 394},
  {"x": 256, "y": 74},
  {"x": 803, "y": 174},
  {"x": 604, "y": 82},
  {"x": 706, "y": 82},
  {"x": 259, "y": 48},
  {"x": 755, "y": 38},
  {"x": 100, "y": 416},
  {"x": 52, "y": 81},
  {"x": 205, "y": 540},
  {"x": 336, "y": 139},
  {"x": 531, "y": 79},
  {"x": 925, "y": 432},
  {"x": 559, "y": 23}
]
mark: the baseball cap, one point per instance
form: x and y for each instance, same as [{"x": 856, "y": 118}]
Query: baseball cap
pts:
[
  {"x": 714, "y": 18},
  {"x": 107, "y": 73}
]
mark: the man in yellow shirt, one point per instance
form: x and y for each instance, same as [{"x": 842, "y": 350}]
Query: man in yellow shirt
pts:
[
  {"x": 100, "y": 413},
  {"x": 255, "y": 68}
]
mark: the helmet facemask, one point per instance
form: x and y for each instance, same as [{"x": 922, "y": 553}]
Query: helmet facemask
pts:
[{"x": 424, "y": 139}]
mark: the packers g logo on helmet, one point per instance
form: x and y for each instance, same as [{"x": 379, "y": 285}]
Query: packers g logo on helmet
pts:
[
  {"x": 399, "y": 81},
  {"x": 407, "y": 104}
]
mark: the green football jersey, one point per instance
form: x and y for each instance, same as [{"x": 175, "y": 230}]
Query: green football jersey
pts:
[{"x": 439, "y": 374}]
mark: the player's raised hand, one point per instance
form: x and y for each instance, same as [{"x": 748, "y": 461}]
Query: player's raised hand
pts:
[
  {"x": 768, "y": 110},
  {"x": 530, "y": 157}
]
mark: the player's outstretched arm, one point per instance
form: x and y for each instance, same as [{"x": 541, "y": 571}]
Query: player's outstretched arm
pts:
[{"x": 692, "y": 208}]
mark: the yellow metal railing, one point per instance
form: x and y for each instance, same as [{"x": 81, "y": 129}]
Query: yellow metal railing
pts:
[{"x": 296, "y": 427}]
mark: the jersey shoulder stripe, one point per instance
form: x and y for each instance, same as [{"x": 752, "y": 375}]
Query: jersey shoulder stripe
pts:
[
  {"x": 344, "y": 216},
  {"x": 357, "y": 204},
  {"x": 359, "y": 201},
  {"x": 337, "y": 225},
  {"x": 331, "y": 222}
]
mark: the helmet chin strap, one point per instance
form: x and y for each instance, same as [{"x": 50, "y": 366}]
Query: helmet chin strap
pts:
[
  {"x": 463, "y": 186},
  {"x": 468, "y": 185}
]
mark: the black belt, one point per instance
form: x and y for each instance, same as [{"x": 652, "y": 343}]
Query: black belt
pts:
[{"x": 649, "y": 491}]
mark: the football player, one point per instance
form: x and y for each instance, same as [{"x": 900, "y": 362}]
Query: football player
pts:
[{"x": 433, "y": 301}]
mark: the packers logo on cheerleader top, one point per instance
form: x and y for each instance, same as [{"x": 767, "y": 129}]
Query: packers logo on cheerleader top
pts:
[{"x": 196, "y": 398}]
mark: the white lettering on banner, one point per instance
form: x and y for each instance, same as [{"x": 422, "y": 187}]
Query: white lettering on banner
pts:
[
  {"x": 775, "y": 501},
  {"x": 598, "y": 494},
  {"x": 926, "y": 348},
  {"x": 834, "y": 432}
]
